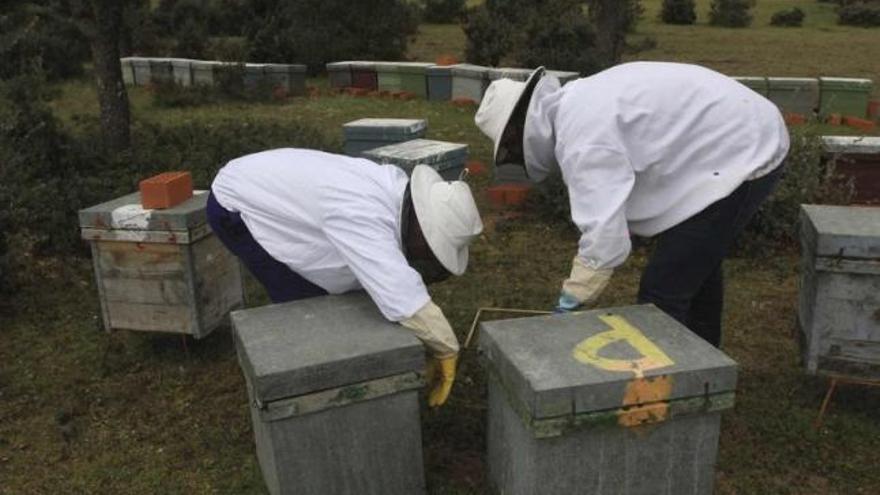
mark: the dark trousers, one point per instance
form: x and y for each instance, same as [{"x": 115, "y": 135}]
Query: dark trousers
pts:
[
  {"x": 684, "y": 275},
  {"x": 282, "y": 283}
]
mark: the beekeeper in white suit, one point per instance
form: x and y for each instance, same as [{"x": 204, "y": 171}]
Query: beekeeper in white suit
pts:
[
  {"x": 308, "y": 223},
  {"x": 665, "y": 150}
]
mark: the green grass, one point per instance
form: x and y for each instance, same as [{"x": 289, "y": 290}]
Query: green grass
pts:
[{"x": 83, "y": 412}]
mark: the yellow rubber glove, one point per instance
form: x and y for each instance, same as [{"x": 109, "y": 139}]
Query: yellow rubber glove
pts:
[{"x": 440, "y": 374}]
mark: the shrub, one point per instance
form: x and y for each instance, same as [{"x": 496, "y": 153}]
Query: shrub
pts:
[
  {"x": 444, "y": 11},
  {"x": 192, "y": 40},
  {"x": 43, "y": 39},
  {"x": 556, "y": 33},
  {"x": 38, "y": 182},
  {"x": 46, "y": 175},
  {"x": 731, "y": 13},
  {"x": 793, "y": 17},
  {"x": 860, "y": 14},
  {"x": 314, "y": 32},
  {"x": 807, "y": 179},
  {"x": 679, "y": 12}
]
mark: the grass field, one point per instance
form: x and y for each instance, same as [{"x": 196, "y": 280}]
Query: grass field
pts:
[{"x": 81, "y": 412}]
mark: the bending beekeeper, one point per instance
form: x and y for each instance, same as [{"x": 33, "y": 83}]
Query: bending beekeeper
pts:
[
  {"x": 672, "y": 151},
  {"x": 308, "y": 223}
]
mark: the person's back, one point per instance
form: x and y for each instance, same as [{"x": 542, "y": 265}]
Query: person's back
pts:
[
  {"x": 690, "y": 135},
  {"x": 285, "y": 197}
]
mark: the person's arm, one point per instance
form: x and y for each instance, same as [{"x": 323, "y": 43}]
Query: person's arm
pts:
[
  {"x": 599, "y": 181},
  {"x": 370, "y": 248}
]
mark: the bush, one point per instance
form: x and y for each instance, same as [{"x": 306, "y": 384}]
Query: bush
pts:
[
  {"x": 679, "y": 12},
  {"x": 444, "y": 11},
  {"x": 731, "y": 13},
  {"x": 38, "y": 180},
  {"x": 41, "y": 39},
  {"x": 807, "y": 179},
  {"x": 556, "y": 33},
  {"x": 793, "y": 17},
  {"x": 314, "y": 32},
  {"x": 860, "y": 14},
  {"x": 46, "y": 175}
]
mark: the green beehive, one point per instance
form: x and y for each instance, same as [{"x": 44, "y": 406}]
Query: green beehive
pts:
[
  {"x": 799, "y": 95},
  {"x": 388, "y": 77},
  {"x": 845, "y": 96},
  {"x": 757, "y": 84}
]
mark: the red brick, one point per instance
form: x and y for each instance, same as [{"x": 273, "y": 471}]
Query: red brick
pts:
[
  {"x": 463, "y": 102},
  {"x": 477, "y": 168},
  {"x": 166, "y": 190},
  {"x": 862, "y": 124},
  {"x": 508, "y": 195},
  {"x": 834, "y": 119},
  {"x": 794, "y": 119},
  {"x": 446, "y": 60}
]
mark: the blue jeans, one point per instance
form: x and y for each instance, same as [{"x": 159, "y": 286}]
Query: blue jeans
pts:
[
  {"x": 684, "y": 274},
  {"x": 282, "y": 283}
]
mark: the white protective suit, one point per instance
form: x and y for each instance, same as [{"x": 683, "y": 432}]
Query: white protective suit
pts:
[
  {"x": 644, "y": 146},
  {"x": 335, "y": 220}
]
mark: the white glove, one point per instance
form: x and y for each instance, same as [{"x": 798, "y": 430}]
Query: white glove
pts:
[
  {"x": 583, "y": 286},
  {"x": 432, "y": 328}
]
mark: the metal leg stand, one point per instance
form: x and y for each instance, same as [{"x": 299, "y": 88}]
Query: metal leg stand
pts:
[{"x": 825, "y": 402}]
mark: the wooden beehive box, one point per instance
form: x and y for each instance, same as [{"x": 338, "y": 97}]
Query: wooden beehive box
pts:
[
  {"x": 839, "y": 311},
  {"x": 160, "y": 270}
]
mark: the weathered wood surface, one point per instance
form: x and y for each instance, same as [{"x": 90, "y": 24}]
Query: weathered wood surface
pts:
[{"x": 175, "y": 288}]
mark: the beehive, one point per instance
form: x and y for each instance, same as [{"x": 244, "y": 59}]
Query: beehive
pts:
[
  {"x": 839, "y": 311},
  {"x": 446, "y": 158},
  {"x": 333, "y": 389},
  {"x": 845, "y": 96},
  {"x": 366, "y": 134},
  {"x": 181, "y": 71},
  {"x": 798, "y": 95},
  {"x": 469, "y": 81},
  {"x": 439, "y": 79},
  {"x": 339, "y": 74},
  {"x": 160, "y": 270},
  {"x": 616, "y": 401},
  {"x": 856, "y": 158},
  {"x": 757, "y": 84}
]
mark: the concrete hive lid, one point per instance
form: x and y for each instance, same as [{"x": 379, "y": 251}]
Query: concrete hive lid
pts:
[
  {"x": 126, "y": 213},
  {"x": 470, "y": 70},
  {"x": 515, "y": 73},
  {"x": 842, "y": 231},
  {"x": 846, "y": 82},
  {"x": 384, "y": 129},
  {"x": 439, "y": 70},
  {"x": 863, "y": 145},
  {"x": 535, "y": 360},
  {"x": 418, "y": 151},
  {"x": 291, "y": 349}
]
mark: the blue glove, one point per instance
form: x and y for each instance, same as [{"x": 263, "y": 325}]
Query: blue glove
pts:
[{"x": 566, "y": 304}]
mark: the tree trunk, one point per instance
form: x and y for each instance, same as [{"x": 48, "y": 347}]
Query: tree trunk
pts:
[
  {"x": 108, "y": 74},
  {"x": 611, "y": 19}
]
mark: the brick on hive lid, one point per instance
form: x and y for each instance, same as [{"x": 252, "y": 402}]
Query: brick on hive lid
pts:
[{"x": 166, "y": 190}]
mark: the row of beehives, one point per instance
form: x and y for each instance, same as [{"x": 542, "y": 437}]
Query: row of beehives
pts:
[
  {"x": 809, "y": 96},
  {"x": 623, "y": 383},
  {"x": 141, "y": 71},
  {"x": 803, "y": 96},
  {"x": 428, "y": 81}
]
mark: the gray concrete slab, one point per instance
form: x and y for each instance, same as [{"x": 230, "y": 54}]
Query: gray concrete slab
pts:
[
  {"x": 538, "y": 359},
  {"x": 188, "y": 215},
  {"x": 304, "y": 346}
]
